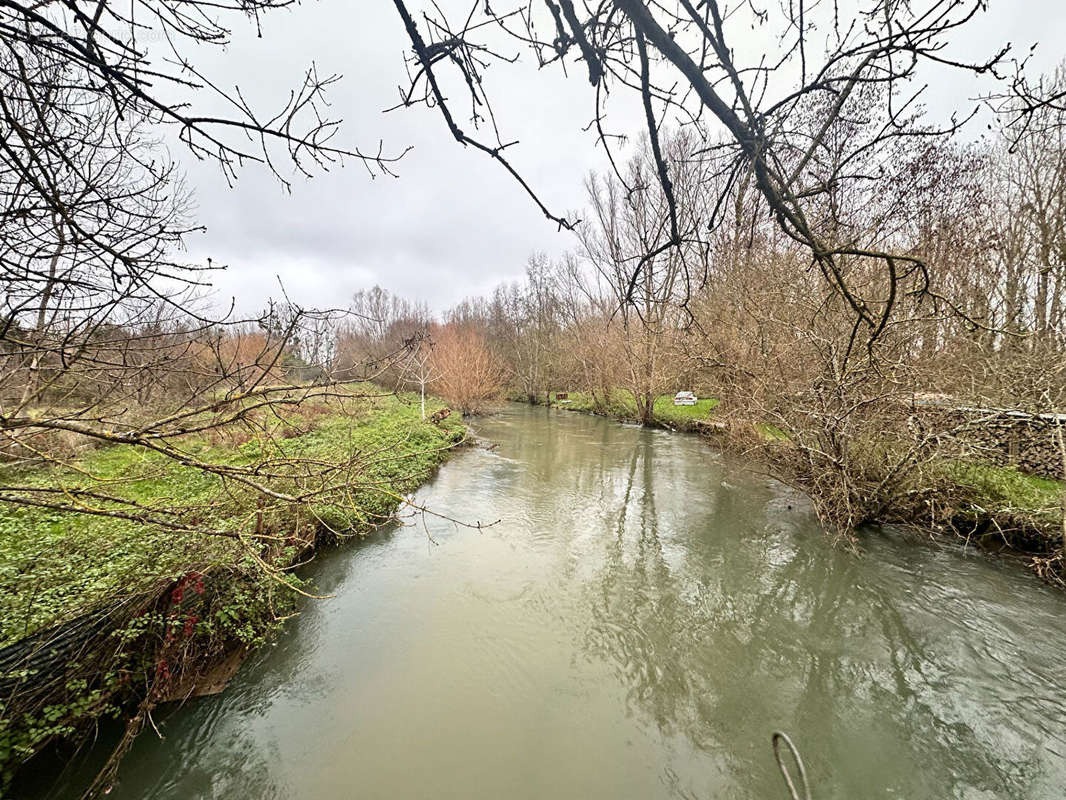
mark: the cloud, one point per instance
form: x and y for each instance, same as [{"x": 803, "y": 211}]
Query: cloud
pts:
[
  {"x": 451, "y": 225},
  {"x": 454, "y": 223}
]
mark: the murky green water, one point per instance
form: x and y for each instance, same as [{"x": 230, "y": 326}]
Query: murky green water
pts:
[{"x": 641, "y": 620}]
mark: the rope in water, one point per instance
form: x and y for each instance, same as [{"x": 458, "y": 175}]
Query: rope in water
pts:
[{"x": 776, "y": 740}]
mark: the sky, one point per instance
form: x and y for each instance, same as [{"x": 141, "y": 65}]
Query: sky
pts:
[{"x": 453, "y": 224}]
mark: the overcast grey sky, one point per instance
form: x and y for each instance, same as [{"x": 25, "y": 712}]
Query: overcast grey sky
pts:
[{"x": 453, "y": 224}]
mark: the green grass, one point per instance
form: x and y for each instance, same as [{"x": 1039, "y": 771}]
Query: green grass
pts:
[
  {"x": 55, "y": 565},
  {"x": 622, "y": 405},
  {"x": 665, "y": 410},
  {"x": 1006, "y": 490},
  {"x": 770, "y": 433}
]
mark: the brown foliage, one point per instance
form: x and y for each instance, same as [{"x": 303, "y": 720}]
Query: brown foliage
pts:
[{"x": 470, "y": 375}]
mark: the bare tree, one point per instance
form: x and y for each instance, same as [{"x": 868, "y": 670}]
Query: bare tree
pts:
[
  {"x": 682, "y": 61},
  {"x": 525, "y": 318},
  {"x": 139, "y": 59},
  {"x": 379, "y": 325},
  {"x": 632, "y": 217},
  {"x": 468, "y": 374},
  {"x": 1037, "y": 178}
]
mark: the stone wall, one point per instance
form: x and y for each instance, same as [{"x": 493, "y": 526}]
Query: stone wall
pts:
[{"x": 1028, "y": 442}]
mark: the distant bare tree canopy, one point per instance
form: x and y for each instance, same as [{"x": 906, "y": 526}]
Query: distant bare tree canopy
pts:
[{"x": 824, "y": 106}]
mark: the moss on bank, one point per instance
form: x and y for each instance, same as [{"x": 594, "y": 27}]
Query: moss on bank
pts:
[
  {"x": 1009, "y": 510},
  {"x": 148, "y": 607}
]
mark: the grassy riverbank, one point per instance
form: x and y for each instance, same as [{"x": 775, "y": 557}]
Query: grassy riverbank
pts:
[
  {"x": 161, "y": 604},
  {"x": 1008, "y": 510}
]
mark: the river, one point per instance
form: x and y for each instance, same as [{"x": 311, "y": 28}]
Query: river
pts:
[{"x": 645, "y": 614}]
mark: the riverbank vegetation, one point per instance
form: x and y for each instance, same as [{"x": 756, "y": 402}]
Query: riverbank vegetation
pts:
[
  {"x": 876, "y": 285},
  {"x": 378, "y": 436},
  {"x": 163, "y": 463},
  {"x": 142, "y": 612}
]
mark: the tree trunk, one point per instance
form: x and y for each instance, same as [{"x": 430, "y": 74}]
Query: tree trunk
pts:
[{"x": 32, "y": 377}]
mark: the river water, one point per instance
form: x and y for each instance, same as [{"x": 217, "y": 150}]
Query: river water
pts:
[{"x": 644, "y": 616}]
